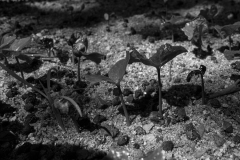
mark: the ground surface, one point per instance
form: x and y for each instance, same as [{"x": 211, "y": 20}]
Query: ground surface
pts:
[{"x": 29, "y": 130}]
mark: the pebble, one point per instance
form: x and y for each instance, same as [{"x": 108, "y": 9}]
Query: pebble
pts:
[
  {"x": 140, "y": 131},
  {"x": 123, "y": 140},
  {"x": 215, "y": 103},
  {"x": 167, "y": 145},
  {"x": 218, "y": 140},
  {"x": 148, "y": 127},
  {"x": 227, "y": 127},
  {"x": 191, "y": 132}
]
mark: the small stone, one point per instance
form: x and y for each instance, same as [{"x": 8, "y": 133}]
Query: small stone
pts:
[
  {"x": 150, "y": 89},
  {"x": 155, "y": 117},
  {"x": 99, "y": 119},
  {"x": 108, "y": 29},
  {"x": 167, "y": 145},
  {"x": 27, "y": 129},
  {"x": 181, "y": 114},
  {"x": 227, "y": 127},
  {"x": 127, "y": 91},
  {"x": 215, "y": 103},
  {"x": 219, "y": 141},
  {"x": 123, "y": 140},
  {"x": 31, "y": 118},
  {"x": 130, "y": 98},
  {"x": 124, "y": 24},
  {"x": 191, "y": 132},
  {"x": 140, "y": 131},
  {"x": 116, "y": 101},
  {"x": 236, "y": 139},
  {"x": 214, "y": 59},
  {"x": 136, "y": 145},
  {"x": 110, "y": 129},
  {"x": 29, "y": 107},
  {"x": 151, "y": 39},
  {"x": 201, "y": 130},
  {"x": 148, "y": 127},
  {"x": 138, "y": 93},
  {"x": 12, "y": 93},
  {"x": 132, "y": 31}
]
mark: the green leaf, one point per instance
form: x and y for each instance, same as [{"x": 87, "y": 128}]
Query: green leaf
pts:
[
  {"x": 6, "y": 41},
  {"x": 118, "y": 70},
  {"x": 93, "y": 79},
  {"x": 165, "y": 54},
  {"x": 95, "y": 57},
  {"x": 135, "y": 56},
  {"x": 74, "y": 104},
  {"x": 19, "y": 44},
  {"x": 227, "y": 29},
  {"x": 22, "y": 80},
  {"x": 192, "y": 27}
]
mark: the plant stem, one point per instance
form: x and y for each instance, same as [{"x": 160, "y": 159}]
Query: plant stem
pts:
[
  {"x": 170, "y": 70},
  {"x": 203, "y": 95},
  {"x": 160, "y": 93},
  {"x": 230, "y": 44},
  {"x": 72, "y": 57},
  {"x": 124, "y": 106},
  {"x": 20, "y": 69},
  {"x": 79, "y": 68}
]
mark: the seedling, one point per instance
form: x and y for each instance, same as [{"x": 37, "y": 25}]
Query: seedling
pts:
[
  {"x": 228, "y": 30},
  {"x": 80, "y": 47},
  {"x": 115, "y": 76},
  {"x": 13, "y": 47},
  {"x": 196, "y": 30},
  {"x": 201, "y": 71},
  {"x": 48, "y": 43},
  {"x": 164, "y": 54},
  {"x": 174, "y": 22},
  {"x": 54, "y": 106},
  {"x": 209, "y": 13}
]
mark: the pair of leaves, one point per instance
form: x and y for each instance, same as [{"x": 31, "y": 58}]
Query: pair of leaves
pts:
[
  {"x": 115, "y": 74},
  {"x": 202, "y": 69},
  {"x": 164, "y": 54},
  {"x": 227, "y": 30},
  {"x": 13, "y": 47}
]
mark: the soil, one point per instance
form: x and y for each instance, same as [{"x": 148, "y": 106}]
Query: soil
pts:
[{"x": 189, "y": 129}]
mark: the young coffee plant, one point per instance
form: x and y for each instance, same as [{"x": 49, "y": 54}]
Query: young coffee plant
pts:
[
  {"x": 55, "y": 106},
  {"x": 12, "y": 47},
  {"x": 164, "y": 54},
  {"x": 228, "y": 31},
  {"x": 201, "y": 71},
  {"x": 115, "y": 76},
  {"x": 80, "y": 47},
  {"x": 172, "y": 24},
  {"x": 196, "y": 30}
]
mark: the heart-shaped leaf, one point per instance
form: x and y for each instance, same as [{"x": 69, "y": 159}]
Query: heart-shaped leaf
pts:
[
  {"x": 6, "y": 41},
  {"x": 19, "y": 44},
  {"x": 93, "y": 79},
  {"x": 165, "y": 54},
  {"x": 135, "y": 56},
  {"x": 227, "y": 29},
  {"x": 95, "y": 57},
  {"x": 118, "y": 70},
  {"x": 231, "y": 55}
]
